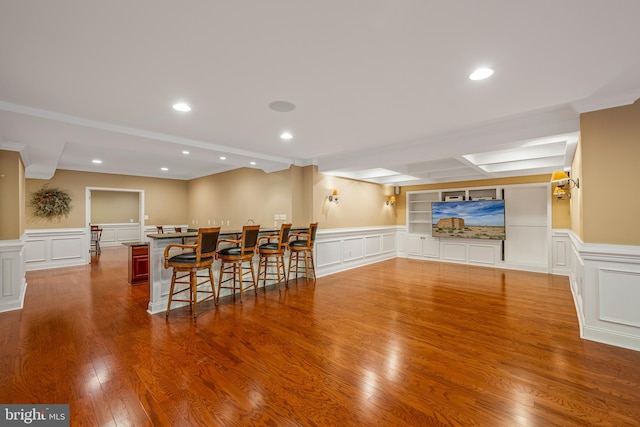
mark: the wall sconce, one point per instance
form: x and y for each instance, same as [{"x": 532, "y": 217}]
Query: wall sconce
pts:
[
  {"x": 391, "y": 201},
  {"x": 333, "y": 197},
  {"x": 563, "y": 185}
]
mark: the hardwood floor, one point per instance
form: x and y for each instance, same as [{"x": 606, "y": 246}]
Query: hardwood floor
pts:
[{"x": 401, "y": 342}]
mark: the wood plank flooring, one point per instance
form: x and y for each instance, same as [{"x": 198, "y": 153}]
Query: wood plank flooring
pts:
[{"x": 397, "y": 343}]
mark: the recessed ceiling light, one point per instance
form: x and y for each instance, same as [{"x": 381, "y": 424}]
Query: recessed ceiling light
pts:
[
  {"x": 223, "y": 158},
  {"x": 181, "y": 106},
  {"x": 481, "y": 74},
  {"x": 185, "y": 152},
  {"x": 164, "y": 169},
  {"x": 96, "y": 161},
  {"x": 286, "y": 135},
  {"x": 252, "y": 163}
]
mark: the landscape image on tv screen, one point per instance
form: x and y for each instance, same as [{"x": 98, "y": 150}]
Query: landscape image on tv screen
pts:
[{"x": 482, "y": 219}]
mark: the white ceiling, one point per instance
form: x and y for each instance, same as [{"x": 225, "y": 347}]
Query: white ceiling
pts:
[{"x": 381, "y": 87}]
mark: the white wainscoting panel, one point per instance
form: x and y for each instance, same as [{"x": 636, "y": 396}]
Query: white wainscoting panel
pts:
[
  {"x": 12, "y": 279},
  {"x": 373, "y": 245},
  {"x": 389, "y": 243},
  {"x": 328, "y": 253},
  {"x": 36, "y": 251},
  {"x": 619, "y": 292},
  {"x": 561, "y": 252},
  {"x": 453, "y": 251},
  {"x": 52, "y": 248},
  {"x": 63, "y": 248},
  {"x": 117, "y": 234},
  {"x": 605, "y": 282},
  {"x": 343, "y": 249},
  {"x": 353, "y": 248},
  {"x": 483, "y": 254}
]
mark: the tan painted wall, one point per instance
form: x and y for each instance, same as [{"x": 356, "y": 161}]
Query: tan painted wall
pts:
[
  {"x": 108, "y": 207},
  {"x": 610, "y": 141},
  {"x": 560, "y": 212},
  {"x": 359, "y": 204},
  {"x": 576, "y": 194},
  {"x": 402, "y": 199},
  {"x": 11, "y": 195},
  {"x": 165, "y": 199},
  {"x": 239, "y": 195}
]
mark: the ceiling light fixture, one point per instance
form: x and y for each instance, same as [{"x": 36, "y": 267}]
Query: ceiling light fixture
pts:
[
  {"x": 97, "y": 161},
  {"x": 164, "y": 169},
  {"x": 181, "y": 106},
  {"x": 185, "y": 152},
  {"x": 481, "y": 74},
  {"x": 286, "y": 136},
  {"x": 223, "y": 158},
  {"x": 252, "y": 163}
]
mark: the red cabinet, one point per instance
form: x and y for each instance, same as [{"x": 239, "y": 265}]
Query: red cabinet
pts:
[{"x": 138, "y": 264}]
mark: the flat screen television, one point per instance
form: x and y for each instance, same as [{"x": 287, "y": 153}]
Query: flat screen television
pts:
[{"x": 481, "y": 219}]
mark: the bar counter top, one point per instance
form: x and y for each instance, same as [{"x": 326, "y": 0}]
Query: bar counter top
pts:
[
  {"x": 225, "y": 231},
  {"x": 135, "y": 243}
]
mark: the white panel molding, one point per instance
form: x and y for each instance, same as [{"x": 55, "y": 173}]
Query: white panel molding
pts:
[
  {"x": 13, "y": 284},
  {"x": 560, "y": 252},
  {"x": 482, "y": 254},
  {"x": 353, "y": 248},
  {"x": 390, "y": 243},
  {"x": 453, "y": 251},
  {"x": 619, "y": 294},
  {"x": 59, "y": 247},
  {"x": 342, "y": 249},
  {"x": 328, "y": 253},
  {"x": 372, "y": 245},
  {"x": 118, "y": 233},
  {"x": 605, "y": 283}
]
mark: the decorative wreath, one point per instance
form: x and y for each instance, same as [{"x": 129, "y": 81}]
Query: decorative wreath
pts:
[{"x": 51, "y": 203}]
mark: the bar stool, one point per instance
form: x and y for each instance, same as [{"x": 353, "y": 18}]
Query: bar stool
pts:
[
  {"x": 302, "y": 247},
  {"x": 200, "y": 257},
  {"x": 272, "y": 255},
  {"x": 233, "y": 258}
]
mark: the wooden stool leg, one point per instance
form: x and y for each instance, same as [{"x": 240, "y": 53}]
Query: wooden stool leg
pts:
[
  {"x": 253, "y": 278},
  {"x": 193, "y": 284},
  {"x": 234, "y": 281},
  {"x": 213, "y": 287},
  {"x": 173, "y": 284},
  {"x": 220, "y": 280}
]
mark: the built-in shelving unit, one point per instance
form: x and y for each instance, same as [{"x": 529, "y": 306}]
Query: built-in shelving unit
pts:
[
  {"x": 419, "y": 211},
  {"x": 527, "y": 221}
]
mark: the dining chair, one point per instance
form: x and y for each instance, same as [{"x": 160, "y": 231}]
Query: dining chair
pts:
[
  {"x": 186, "y": 266},
  {"x": 271, "y": 253},
  {"x": 236, "y": 261},
  {"x": 96, "y": 235},
  {"x": 159, "y": 229},
  {"x": 301, "y": 250}
]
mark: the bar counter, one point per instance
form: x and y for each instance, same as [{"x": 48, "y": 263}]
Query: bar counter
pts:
[{"x": 160, "y": 277}]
